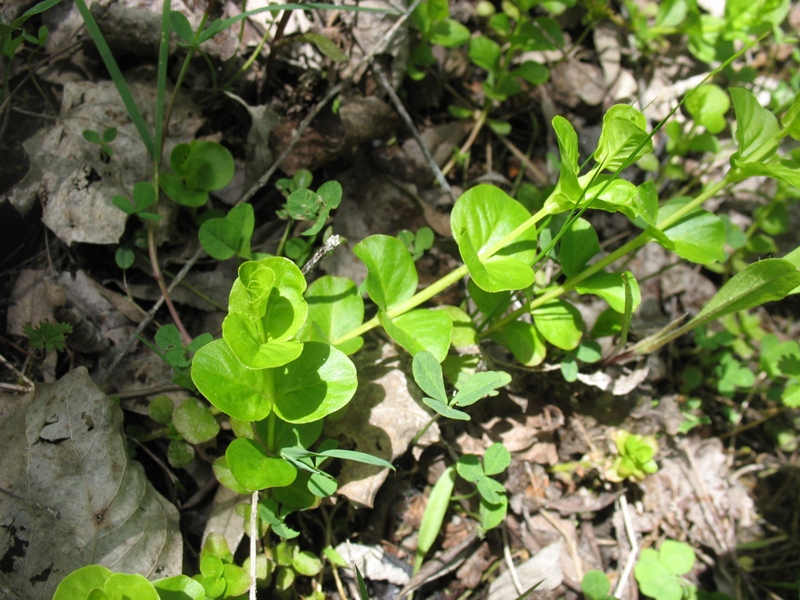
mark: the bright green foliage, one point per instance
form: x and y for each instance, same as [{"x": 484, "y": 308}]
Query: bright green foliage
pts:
[
  {"x": 417, "y": 243},
  {"x": 428, "y": 375},
  {"x": 431, "y": 18},
  {"x": 197, "y": 169},
  {"x": 635, "y": 460},
  {"x": 229, "y": 236},
  {"x": 482, "y": 221},
  {"x": 170, "y": 347},
  {"x": 391, "y": 275},
  {"x": 708, "y": 105},
  {"x": 143, "y": 197},
  {"x": 623, "y": 139},
  {"x": 560, "y": 323},
  {"x": 94, "y": 582},
  {"x": 596, "y": 586},
  {"x": 305, "y": 205},
  {"x": 259, "y": 365},
  {"x": 219, "y": 577},
  {"x": 781, "y": 361},
  {"x": 658, "y": 573},
  {"x": 47, "y": 336},
  {"x": 433, "y": 517},
  {"x": 189, "y": 423},
  {"x": 334, "y": 308},
  {"x": 104, "y": 140},
  {"x": 493, "y": 500}
]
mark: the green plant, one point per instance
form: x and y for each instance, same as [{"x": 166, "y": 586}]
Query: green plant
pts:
[
  {"x": 431, "y": 18},
  {"x": 186, "y": 424},
  {"x": 103, "y": 140},
  {"x": 709, "y": 37},
  {"x": 659, "y": 572},
  {"x": 635, "y": 460},
  {"x": 169, "y": 345},
  {"x": 417, "y": 243},
  {"x": 595, "y": 586},
  {"x": 219, "y": 576},
  {"x": 47, "y": 336},
  {"x": 94, "y": 582}
]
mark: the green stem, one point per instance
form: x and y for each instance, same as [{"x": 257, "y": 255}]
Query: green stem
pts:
[{"x": 623, "y": 250}]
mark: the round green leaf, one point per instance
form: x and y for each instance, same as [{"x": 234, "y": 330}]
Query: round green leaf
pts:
[
  {"x": 469, "y": 467},
  {"x": 220, "y": 238},
  {"x": 391, "y": 275},
  {"x": 334, "y": 308},
  {"x": 678, "y": 557},
  {"x": 230, "y": 386},
  {"x": 422, "y": 329},
  {"x": 241, "y": 331},
  {"x": 579, "y": 244},
  {"x": 306, "y": 563},
  {"x": 124, "y": 257},
  {"x": 254, "y": 469},
  {"x": 321, "y": 381},
  {"x": 708, "y": 105},
  {"x": 179, "y": 453},
  {"x": 698, "y": 236},
  {"x": 611, "y": 288},
  {"x": 237, "y": 581},
  {"x": 654, "y": 578},
  {"x": 175, "y": 187},
  {"x": 80, "y": 582},
  {"x": 496, "y": 459},
  {"x": 179, "y": 587},
  {"x": 195, "y": 422},
  {"x": 560, "y": 323},
  {"x": 525, "y": 342},
  {"x": 595, "y": 585},
  {"x": 160, "y": 409},
  {"x": 209, "y": 166},
  {"x": 130, "y": 587},
  {"x": 223, "y": 474},
  {"x": 493, "y": 514},
  {"x": 481, "y": 220},
  {"x": 490, "y": 490}
]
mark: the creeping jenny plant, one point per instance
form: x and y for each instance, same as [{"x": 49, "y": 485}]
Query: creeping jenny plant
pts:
[{"x": 282, "y": 364}]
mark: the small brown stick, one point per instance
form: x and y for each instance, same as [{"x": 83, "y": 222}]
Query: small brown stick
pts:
[{"x": 398, "y": 105}]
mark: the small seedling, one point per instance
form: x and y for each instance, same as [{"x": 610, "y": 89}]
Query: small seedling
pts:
[
  {"x": 47, "y": 336},
  {"x": 417, "y": 243},
  {"x": 170, "y": 347},
  {"x": 143, "y": 197},
  {"x": 219, "y": 577},
  {"x": 493, "y": 502},
  {"x": 104, "y": 141},
  {"x": 187, "y": 424},
  {"x": 635, "y": 460},
  {"x": 94, "y": 582},
  {"x": 659, "y": 572}
]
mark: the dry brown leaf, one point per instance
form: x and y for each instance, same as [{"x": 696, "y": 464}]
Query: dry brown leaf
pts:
[{"x": 77, "y": 497}]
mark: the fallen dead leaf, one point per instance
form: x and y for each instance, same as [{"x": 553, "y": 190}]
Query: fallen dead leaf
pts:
[{"x": 74, "y": 497}]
